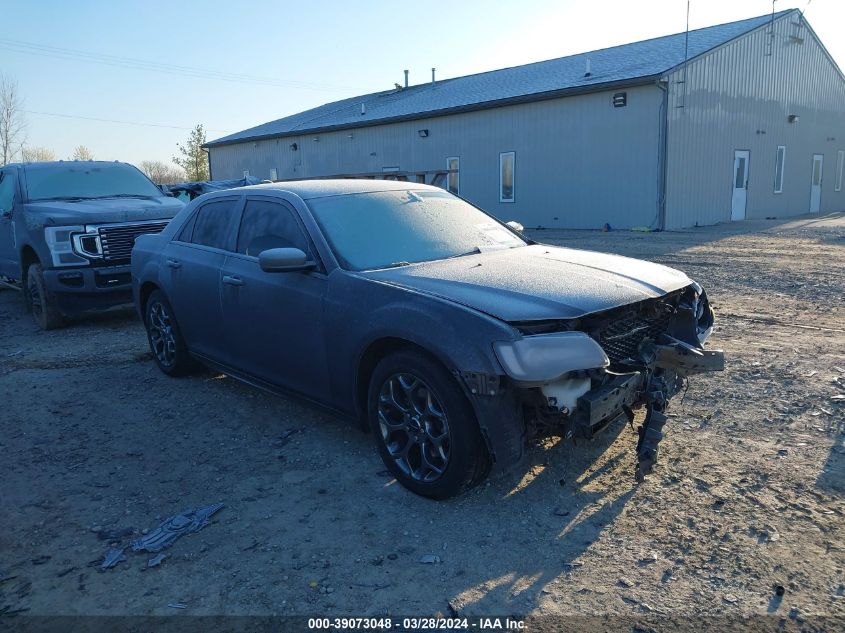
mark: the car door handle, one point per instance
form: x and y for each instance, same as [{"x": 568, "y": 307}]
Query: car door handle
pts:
[
  {"x": 233, "y": 281},
  {"x": 174, "y": 263}
]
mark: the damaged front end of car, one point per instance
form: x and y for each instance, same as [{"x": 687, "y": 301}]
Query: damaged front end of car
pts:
[{"x": 575, "y": 377}]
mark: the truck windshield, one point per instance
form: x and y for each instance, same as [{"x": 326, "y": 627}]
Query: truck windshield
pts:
[
  {"x": 83, "y": 181},
  {"x": 396, "y": 228}
]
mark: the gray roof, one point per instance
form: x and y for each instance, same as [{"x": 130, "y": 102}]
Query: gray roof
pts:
[{"x": 619, "y": 65}]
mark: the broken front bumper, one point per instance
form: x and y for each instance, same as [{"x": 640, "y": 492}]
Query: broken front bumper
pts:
[{"x": 614, "y": 395}]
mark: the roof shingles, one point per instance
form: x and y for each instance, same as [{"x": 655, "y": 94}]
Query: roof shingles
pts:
[{"x": 618, "y": 64}]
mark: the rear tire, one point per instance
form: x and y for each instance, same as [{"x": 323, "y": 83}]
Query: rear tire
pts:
[
  {"x": 424, "y": 427},
  {"x": 40, "y": 302},
  {"x": 166, "y": 343}
]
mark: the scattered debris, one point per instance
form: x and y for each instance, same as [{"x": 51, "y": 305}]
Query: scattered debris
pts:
[
  {"x": 112, "y": 558},
  {"x": 174, "y": 527},
  {"x": 40, "y": 560},
  {"x": 625, "y": 582},
  {"x": 177, "y": 605},
  {"x": 430, "y": 559},
  {"x": 561, "y": 512},
  {"x": 780, "y": 590},
  {"x": 157, "y": 560},
  {"x": 729, "y": 597}
]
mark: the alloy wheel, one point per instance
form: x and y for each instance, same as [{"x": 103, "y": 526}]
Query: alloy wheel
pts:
[
  {"x": 162, "y": 337},
  {"x": 414, "y": 427}
]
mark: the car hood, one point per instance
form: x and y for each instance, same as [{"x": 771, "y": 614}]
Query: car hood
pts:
[
  {"x": 537, "y": 282},
  {"x": 63, "y": 213}
]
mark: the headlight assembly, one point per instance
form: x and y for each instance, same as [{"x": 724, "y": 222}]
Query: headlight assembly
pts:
[
  {"x": 547, "y": 357},
  {"x": 60, "y": 242}
]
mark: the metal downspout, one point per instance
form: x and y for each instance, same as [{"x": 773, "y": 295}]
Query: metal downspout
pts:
[{"x": 663, "y": 145}]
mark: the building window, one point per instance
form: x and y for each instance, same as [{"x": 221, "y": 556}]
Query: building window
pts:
[
  {"x": 246, "y": 173},
  {"x": 453, "y": 178},
  {"x": 274, "y": 175},
  {"x": 779, "y": 163},
  {"x": 840, "y": 161},
  {"x": 506, "y": 177}
]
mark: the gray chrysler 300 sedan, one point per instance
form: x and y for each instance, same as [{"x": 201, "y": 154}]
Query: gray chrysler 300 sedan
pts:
[{"x": 452, "y": 336}]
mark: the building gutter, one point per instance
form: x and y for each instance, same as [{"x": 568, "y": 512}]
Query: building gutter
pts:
[{"x": 417, "y": 116}]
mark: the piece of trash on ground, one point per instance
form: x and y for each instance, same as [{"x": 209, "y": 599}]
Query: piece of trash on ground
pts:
[
  {"x": 174, "y": 527},
  {"x": 156, "y": 560},
  {"x": 112, "y": 558}
]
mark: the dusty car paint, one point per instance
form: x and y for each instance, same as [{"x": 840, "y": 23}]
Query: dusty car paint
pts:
[{"x": 456, "y": 310}]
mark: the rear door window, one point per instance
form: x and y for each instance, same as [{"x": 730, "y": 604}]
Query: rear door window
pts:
[
  {"x": 7, "y": 190},
  {"x": 213, "y": 224},
  {"x": 267, "y": 224}
]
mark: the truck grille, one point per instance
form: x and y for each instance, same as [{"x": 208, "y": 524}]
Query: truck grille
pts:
[
  {"x": 118, "y": 239},
  {"x": 620, "y": 339}
]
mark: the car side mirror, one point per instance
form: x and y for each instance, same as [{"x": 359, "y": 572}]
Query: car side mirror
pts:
[
  {"x": 516, "y": 226},
  {"x": 284, "y": 260}
]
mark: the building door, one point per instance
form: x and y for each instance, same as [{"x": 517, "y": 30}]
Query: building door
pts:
[
  {"x": 816, "y": 183},
  {"x": 740, "y": 184}
]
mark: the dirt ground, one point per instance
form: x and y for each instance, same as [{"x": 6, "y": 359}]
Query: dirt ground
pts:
[{"x": 749, "y": 492}]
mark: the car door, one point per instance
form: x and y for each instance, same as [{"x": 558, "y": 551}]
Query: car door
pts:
[
  {"x": 191, "y": 273},
  {"x": 274, "y": 321},
  {"x": 8, "y": 253}
]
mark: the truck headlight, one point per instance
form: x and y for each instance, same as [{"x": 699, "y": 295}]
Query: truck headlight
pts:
[
  {"x": 88, "y": 244},
  {"x": 60, "y": 242},
  {"x": 547, "y": 357}
]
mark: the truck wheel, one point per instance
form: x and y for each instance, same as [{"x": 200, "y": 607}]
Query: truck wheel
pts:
[
  {"x": 40, "y": 301},
  {"x": 169, "y": 350},
  {"x": 424, "y": 427}
]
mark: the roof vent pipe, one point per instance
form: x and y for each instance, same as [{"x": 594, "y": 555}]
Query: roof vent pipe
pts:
[
  {"x": 588, "y": 70},
  {"x": 432, "y": 75},
  {"x": 406, "y": 78},
  {"x": 363, "y": 109}
]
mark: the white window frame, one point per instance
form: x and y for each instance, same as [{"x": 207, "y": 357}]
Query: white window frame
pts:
[
  {"x": 840, "y": 163},
  {"x": 502, "y": 156},
  {"x": 779, "y": 175},
  {"x": 246, "y": 173},
  {"x": 457, "y": 159},
  {"x": 274, "y": 175}
]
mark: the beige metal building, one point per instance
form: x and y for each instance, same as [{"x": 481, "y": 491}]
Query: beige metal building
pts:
[{"x": 745, "y": 119}]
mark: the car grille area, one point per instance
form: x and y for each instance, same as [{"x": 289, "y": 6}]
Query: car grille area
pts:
[
  {"x": 117, "y": 240},
  {"x": 621, "y": 338}
]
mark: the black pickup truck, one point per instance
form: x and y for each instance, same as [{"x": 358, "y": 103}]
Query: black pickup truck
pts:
[{"x": 67, "y": 229}]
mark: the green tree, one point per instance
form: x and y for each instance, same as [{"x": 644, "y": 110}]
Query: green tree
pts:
[{"x": 193, "y": 158}]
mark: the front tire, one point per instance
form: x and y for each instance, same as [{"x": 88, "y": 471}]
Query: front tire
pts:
[
  {"x": 166, "y": 343},
  {"x": 41, "y": 302},
  {"x": 424, "y": 427}
]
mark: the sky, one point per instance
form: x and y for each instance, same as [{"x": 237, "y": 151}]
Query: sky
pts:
[{"x": 172, "y": 65}]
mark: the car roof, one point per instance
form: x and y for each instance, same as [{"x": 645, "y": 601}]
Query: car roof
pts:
[
  {"x": 307, "y": 189},
  {"x": 66, "y": 163}
]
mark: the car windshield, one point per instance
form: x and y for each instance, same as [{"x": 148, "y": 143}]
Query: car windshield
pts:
[
  {"x": 80, "y": 181},
  {"x": 394, "y": 228}
]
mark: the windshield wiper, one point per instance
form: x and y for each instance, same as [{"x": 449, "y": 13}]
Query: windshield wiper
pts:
[
  {"x": 474, "y": 251},
  {"x": 124, "y": 195},
  {"x": 62, "y": 198}
]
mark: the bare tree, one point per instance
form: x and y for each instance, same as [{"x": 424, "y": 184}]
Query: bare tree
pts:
[
  {"x": 12, "y": 124},
  {"x": 161, "y": 173},
  {"x": 82, "y": 153},
  {"x": 193, "y": 159},
  {"x": 37, "y": 154}
]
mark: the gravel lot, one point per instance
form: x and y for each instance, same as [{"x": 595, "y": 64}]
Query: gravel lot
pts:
[{"x": 749, "y": 493}]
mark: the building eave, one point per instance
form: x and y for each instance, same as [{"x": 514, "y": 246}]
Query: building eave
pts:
[{"x": 416, "y": 116}]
